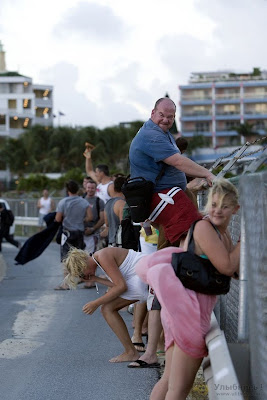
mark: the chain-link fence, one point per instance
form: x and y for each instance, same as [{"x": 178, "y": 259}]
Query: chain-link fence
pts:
[
  {"x": 26, "y": 207},
  {"x": 253, "y": 194}
]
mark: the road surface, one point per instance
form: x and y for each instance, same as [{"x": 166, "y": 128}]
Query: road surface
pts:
[{"x": 49, "y": 349}]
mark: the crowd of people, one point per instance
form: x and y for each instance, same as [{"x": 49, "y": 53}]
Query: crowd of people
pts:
[{"x": 174, "y": 318}]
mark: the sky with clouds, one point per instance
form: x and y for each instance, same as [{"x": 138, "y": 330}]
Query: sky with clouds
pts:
[{"x": 110, "y": 60}]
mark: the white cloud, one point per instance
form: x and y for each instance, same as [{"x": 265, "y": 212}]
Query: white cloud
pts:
[
  {"x": 91, "y": 21},
  {"x": 110, "y": 60}
]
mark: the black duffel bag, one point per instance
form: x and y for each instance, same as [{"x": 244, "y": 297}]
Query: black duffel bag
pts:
[
  {"x": 197, "y": 273},
  {"x": 138, "y": 195}
]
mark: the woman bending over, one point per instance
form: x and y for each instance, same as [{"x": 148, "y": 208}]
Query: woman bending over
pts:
[{"x": 125, "y": 288}]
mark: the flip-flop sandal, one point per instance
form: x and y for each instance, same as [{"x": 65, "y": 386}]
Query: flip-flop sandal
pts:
[
  {"x": 143, "y": 364},
  {"x": 61, "y": 288},
  {"x": 141, "y": 344}
]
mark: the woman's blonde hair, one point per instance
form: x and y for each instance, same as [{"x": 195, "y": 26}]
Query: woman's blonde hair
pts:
[
  {"x": 74, "y": 264},
  {"x": 223, "y": 188}
]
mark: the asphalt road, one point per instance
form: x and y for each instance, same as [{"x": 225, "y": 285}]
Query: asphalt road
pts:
[{"x": 49, "y": 349}]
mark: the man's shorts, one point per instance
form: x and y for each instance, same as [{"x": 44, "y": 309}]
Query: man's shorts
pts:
[
  {"x": 152, "y": 301},
  {"x": 176, "y": 218}
]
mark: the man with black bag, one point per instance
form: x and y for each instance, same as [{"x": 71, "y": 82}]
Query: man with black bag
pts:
[
  {"x": 155, "y": 157},
  {"x": 156, "y": 161}
]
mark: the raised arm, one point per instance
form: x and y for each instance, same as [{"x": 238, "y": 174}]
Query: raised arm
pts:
[{"x": 89, "y": 165}]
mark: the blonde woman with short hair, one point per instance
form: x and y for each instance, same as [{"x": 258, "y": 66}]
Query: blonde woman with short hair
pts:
[{"x": 125, "y": 288}]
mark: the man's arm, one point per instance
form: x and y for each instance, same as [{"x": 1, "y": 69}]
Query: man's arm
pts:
[
  {"x": 104, "y": 233},
  {"x": 189, "y": 167},
  {"x": 111, "y": 190},
  {"x": 89, "y": 165},
  {"x": 98, "y": 225},
  {"x": 52, "y": 205},
  {"x": 118, "y": 208},
  {"x": 59, "y": 217}
]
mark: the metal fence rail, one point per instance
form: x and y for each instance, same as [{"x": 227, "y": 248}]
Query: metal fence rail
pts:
[{"x": 253, "y": 191}]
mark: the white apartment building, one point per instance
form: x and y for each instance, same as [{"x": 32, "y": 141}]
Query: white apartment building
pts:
[
  {"x": 214, "y": 103},
  {"x": 22, "y": 103}
]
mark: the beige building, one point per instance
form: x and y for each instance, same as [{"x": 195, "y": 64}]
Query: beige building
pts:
[{"x": 22, "y": 103}]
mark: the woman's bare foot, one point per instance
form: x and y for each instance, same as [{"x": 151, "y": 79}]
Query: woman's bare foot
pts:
[{"x": 124, "y": 357}]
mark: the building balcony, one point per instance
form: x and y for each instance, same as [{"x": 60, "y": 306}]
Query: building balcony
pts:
[
  {"x": 24, "y": 113},
  {"x": 194, "y": 100},
  {"x": 43, "y": 121},
  {"x": 227, "y": 116},
  {"x": 195, "y": 117},
  {"x": 256, "y": 99},
  {"x": 223, "y": 133},
  {"x": 191, "y": 133},
  {"x": 254, "y": 115},
  {"x": 226, "y": 100},
  {"x": 43, "y": 102}
]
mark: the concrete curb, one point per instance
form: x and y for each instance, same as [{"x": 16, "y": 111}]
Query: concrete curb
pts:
[{"x": 3, "y": 267}]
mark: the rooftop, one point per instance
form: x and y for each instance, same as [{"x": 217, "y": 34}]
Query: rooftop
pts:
[{"x": 201, "y": 77}]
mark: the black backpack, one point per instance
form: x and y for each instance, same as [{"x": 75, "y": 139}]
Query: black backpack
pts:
[{"x": 9, "y": 217}]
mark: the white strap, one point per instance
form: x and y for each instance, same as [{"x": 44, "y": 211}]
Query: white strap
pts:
[{"x": 166, "y": 199}]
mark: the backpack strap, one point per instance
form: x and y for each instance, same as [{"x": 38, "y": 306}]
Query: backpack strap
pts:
[{"x": 98, "y": 207}]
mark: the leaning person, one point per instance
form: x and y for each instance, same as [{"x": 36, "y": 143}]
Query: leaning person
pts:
[
  {"x": 185, "y": 313},
  {"x": 125, "y": 288}
]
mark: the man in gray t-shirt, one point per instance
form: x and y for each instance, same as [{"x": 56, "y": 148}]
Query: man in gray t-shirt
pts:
[
  {"x": 72, "y": 211},
  {"x": 91, "y": 231}
]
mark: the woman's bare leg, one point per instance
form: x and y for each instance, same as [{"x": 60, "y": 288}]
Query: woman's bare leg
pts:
[
  {"x": 111, "y": 314},
  {"x": 140, "y": 311},
  {"x": 182, "y": 374},
  {"x": 160, "y": 389}
]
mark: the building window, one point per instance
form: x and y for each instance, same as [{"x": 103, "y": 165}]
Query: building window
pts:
[
  {"x": 201, "y": 94},
  {"x": 261, "y": 108},
  {"x": 2, "y": 119},
  {"x": 202, "y": 127},
  {"x": 26, "y": 103},
  {"x": 201, "y": 110},
  {"x": 230, "y": 109},
  {"x": 230, "y": 125},
  {"x": 259, "y": 125},
  {"x": 12, "y": 104}
]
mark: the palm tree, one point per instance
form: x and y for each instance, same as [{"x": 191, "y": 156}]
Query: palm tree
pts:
[{"x": 246, "y": 130}]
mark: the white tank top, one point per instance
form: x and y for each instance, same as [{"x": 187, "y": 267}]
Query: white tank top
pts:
[
  {"x": 46, "y": 205},
  {"x": 102, "y": 191}
]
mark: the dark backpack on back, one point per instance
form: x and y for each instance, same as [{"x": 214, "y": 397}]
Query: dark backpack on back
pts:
[{"x": 9, "y": 217}]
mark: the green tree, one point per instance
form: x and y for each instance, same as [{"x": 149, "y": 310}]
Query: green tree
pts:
[
  {"x": 246, "y": 129},
  {"x": 197, "y": 142}
]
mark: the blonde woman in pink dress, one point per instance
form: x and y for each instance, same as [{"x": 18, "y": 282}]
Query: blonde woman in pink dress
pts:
[{"x": 185, "y": 313}]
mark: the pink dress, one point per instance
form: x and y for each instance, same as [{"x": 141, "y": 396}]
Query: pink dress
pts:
[{"x": 185, "y": 314}]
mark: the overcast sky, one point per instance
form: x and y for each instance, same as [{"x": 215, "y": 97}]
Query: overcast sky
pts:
[{"x": 110, "y": 60}]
